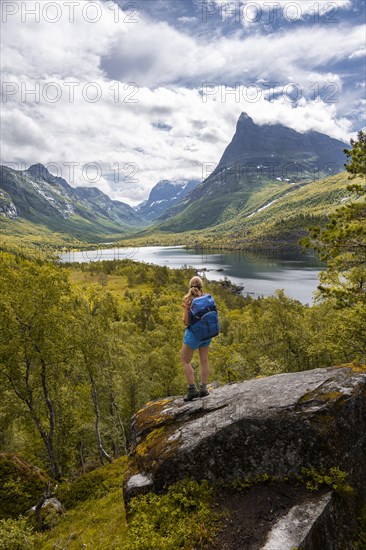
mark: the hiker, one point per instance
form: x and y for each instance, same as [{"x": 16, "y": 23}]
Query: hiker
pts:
[{"x": 191, "y": 342}]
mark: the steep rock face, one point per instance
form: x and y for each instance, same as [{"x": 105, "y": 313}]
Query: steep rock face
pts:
[
  {"x": 275, "y": 144},
  {"x": 271, "y": 425},
  {"x": 164, "y": 195},
  {"x": 274, "y": 426},
  {"x": 7, "y": 207}
]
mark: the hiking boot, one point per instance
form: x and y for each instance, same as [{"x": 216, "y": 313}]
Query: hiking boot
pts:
[
  {"x": 203, "y": 390},
  {"x": 192, "y": 393}
]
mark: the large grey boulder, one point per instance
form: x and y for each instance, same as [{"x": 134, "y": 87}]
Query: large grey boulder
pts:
[{"x": 275, "y": 426}]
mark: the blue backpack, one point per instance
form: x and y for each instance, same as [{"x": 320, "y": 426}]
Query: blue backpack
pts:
[{"x": 204, "y": 321}]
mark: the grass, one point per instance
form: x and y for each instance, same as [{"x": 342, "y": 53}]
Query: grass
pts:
[
  {"x": 181, "y": 518},
  {"x": 117, "y": 284},
  {"x": 98, "y": 522}
]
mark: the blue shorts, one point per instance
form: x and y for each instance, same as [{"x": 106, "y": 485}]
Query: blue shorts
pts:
[{"x": 193, "y": 342}]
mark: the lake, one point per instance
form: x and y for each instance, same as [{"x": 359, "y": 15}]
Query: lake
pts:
[{"x": 261, "y": 273}]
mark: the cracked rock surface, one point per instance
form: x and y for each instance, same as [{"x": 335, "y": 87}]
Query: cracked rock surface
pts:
[
  {"x": 271, "y": 425},
  {"x": 274, "y": 426}
]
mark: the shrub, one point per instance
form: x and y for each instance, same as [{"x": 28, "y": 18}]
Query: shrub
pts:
[
  {"x": 334, "y": 478},
  {"x": 96, "y": 484},
  {"x": 181, "y": 518},
  {"x": 15, "y": 535},
  {"x": 21, "y": 485}
]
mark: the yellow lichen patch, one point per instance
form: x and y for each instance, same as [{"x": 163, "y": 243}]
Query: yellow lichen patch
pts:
[
  {"x": 355, "y": 367},
  {"x": 143, "y": 448},
  {"x": 160, "y": 402},
  {"x": 151, "y": 415},
  {"x": 358, "y": 368},
  {"x": 154, "y": 448},
  {"x": 154, "y": 434},
  {"x": 317, "y": 395},
  {"x": 330, "y": 395},
  {"x": 307, "y": 397}
]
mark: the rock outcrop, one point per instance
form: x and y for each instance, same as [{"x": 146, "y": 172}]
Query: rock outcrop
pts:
[
  {"x": 274, "y": 426},
  {"x": 7, "y": 207}
]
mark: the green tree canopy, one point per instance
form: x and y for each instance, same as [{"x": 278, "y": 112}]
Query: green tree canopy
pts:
[
  {"x": 342, "y": 243},
  {"x": 357, "y": 155}
]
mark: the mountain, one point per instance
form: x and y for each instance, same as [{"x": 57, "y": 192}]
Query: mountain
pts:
[
  {"x": 164, "y": 195},
  {"x": 274, "y": 217},
  {"x": 36, "y": 196},
  {"x": 269, "y": 156},
  {"x": 278, "y": 151}
]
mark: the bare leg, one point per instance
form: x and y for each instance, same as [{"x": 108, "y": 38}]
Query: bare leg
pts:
[
  {"x": 186, "y": 355},
  {"x": 205, "y": 368}
]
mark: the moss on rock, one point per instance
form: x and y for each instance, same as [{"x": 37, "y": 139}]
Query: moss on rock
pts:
[{"x": 21, "y": 485}]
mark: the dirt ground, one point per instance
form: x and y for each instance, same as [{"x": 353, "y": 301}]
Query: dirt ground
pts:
[{"x": 250, "y": 514}]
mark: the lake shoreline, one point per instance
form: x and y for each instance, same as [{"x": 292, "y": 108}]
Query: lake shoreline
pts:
[
  {"x": 288, "y": 248},
  {"x": 260, "y": 273}
]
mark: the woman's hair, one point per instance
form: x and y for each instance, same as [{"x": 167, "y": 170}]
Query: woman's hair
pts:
[{"x": 195, "y": 289}]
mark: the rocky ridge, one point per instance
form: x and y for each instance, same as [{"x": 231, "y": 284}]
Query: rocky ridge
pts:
[
  {"x": 164, "y": 195},
  {"x": 39, "y": 197}
]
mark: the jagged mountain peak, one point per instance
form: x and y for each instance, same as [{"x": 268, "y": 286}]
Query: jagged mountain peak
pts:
[
  {"x": 165, "y": 194},
  {"x": 277, "y": 144},
  {"x": 38, "y": 170},
  {"x": 170, "y": 183},
  {"x": 244, "y": 117}
]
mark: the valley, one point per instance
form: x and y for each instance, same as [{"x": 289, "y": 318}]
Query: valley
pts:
[{"x": 270, "y": 185}]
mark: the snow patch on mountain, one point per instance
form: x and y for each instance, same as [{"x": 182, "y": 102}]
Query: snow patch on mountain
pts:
[{"x": 66, "y": 209}]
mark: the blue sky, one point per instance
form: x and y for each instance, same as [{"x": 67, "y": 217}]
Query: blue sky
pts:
[{"x": 122, "y": 94}]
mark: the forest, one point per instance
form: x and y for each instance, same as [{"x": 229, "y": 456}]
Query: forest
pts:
[{"x": 80, "y": 358}]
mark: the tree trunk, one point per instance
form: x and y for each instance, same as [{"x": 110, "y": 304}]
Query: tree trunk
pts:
[
  {"x": 102, "y": 452},
  {"x": 38, "y": 509},
  {"x": 47, "y": 438},
  {"x": 116, "y": 417},
  {"x": 52, "y": 420},
  {"x": 82, "y": 455}
]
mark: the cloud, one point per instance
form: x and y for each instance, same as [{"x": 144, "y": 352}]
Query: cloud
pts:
[
  {"x": 358, "y": 53},
  {"x": 132, "y": 153},
  {"x": 185, "y": 19},
  {"x": 158, "y": 54},
  {"x": 291, "y": 10},
  {"x": 64, "y": 48}
]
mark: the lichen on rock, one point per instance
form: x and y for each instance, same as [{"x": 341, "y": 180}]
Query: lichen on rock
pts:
[{"x": 272, "y": 426}]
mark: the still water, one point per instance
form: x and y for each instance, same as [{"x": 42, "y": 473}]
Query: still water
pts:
[{"x": 261, "y": 273}]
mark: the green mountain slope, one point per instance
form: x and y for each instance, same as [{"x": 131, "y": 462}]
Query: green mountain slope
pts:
[
  {"x": 35, "y": 202},
  {"x": 259, "y": 158},
  {"x": 219, "y": 207},
  {"x": 284, "y": 218},
  {"x": 276, "y": 215}
]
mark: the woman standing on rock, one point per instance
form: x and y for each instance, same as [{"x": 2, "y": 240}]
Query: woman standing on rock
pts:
[{"x": 191, "y": 343}]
